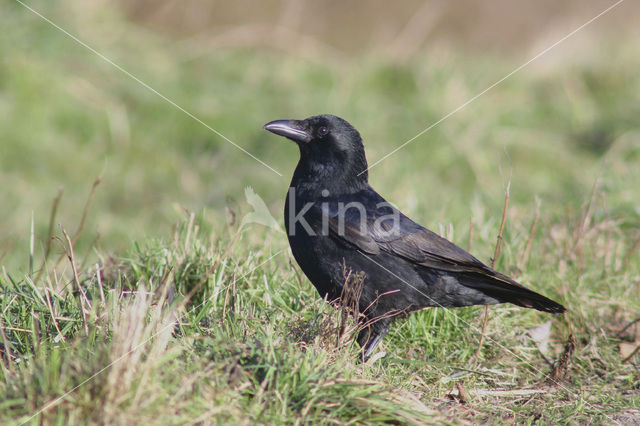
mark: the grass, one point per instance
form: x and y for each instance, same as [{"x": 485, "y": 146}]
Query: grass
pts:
[{"x": 200, "y": 320}]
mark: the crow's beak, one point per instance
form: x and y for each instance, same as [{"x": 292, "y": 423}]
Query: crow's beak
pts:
[{"x": 290, "y": 129}]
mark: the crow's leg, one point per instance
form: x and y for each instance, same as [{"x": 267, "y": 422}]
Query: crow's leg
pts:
[{"x": 370, "y": 336}]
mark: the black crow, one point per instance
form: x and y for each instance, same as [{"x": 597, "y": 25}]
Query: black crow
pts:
[{"x": 337, "y": 224}]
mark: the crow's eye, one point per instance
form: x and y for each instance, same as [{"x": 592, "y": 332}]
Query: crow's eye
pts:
[{"x": 323, "y": 131}]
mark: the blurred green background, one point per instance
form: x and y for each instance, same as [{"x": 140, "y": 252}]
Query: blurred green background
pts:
[{"x": 554, "y": 128}]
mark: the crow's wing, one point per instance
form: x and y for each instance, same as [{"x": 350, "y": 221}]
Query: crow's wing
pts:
[
  {"x": 353, "y": 234},
  {"x": 402, "y": 237}
]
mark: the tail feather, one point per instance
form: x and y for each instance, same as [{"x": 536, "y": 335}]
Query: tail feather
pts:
[{"x": 507, "y": 290}]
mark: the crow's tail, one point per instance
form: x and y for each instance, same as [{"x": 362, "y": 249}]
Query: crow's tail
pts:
[{"x": 507, "y": 290}]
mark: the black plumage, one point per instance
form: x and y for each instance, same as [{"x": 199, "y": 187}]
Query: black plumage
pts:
[{"x": 336, "y": 222}]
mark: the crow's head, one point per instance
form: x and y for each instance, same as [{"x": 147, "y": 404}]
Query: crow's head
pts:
[{"x": 330, "y": 148}]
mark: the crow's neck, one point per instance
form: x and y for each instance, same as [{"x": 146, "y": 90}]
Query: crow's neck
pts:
[{"x": 311, "y": 178}]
